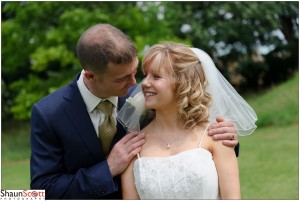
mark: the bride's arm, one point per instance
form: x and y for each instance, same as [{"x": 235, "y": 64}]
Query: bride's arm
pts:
[
  {"x": 129, "y": 191},
  {"x": 228, "y": 172}
]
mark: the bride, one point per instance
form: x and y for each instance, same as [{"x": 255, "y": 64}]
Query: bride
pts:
[{"x": 183, "y": 91}]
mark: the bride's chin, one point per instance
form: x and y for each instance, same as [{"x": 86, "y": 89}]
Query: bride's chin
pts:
[{"x": 149, "y": 106}]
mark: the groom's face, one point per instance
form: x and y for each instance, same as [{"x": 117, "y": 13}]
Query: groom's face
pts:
[{"x": 117, "y": 79}]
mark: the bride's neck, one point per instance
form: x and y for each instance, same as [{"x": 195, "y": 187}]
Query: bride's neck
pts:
[
  {"x": 168, "y": 122},
  {"x": 168, "y": 130}
]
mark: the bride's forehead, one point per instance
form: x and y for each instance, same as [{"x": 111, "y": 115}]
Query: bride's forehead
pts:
[
  {"x": 158, "y": 66},
  {"x": 155, "y": 69}
]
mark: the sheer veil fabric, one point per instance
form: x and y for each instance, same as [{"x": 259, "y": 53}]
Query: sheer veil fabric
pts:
[
  {"x": 226, "y": 102},
  {"x": 131, "y": 112}
]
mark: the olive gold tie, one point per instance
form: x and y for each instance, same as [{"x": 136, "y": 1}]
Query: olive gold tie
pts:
[{"x": 108, "y": 128}]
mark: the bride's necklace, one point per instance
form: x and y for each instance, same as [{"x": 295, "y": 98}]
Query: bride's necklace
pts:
[{"x": 168, "y": 144}]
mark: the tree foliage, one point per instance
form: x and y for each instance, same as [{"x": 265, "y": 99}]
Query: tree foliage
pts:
[
  {"x": 39, "y": 40},
  {"x": 255, "y": 38}
]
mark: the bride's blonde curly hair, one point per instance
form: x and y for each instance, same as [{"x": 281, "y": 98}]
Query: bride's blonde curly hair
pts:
[{"x": 188, "y": 77}]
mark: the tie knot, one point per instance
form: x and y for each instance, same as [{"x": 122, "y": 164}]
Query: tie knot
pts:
[{"x": 105, "y": 107}]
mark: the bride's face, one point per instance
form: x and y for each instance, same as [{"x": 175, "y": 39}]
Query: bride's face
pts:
[{"x": 158, "y": 90}]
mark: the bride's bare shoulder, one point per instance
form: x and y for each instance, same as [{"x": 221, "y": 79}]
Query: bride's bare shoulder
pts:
[
  {"x": 148, "y": 129},
  {"x": 151, "y": 142}
]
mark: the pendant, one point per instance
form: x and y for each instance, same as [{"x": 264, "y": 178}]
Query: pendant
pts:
[{"x": 168, "y": 146}]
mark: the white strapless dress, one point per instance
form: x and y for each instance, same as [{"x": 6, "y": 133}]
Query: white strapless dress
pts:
[{"x": 190, "y": 174}]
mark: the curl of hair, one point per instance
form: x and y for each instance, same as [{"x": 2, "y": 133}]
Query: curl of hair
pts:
[{"x": 193, "y": 101}]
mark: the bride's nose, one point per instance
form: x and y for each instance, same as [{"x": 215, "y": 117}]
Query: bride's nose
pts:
[{"x": 146, "y": 82}]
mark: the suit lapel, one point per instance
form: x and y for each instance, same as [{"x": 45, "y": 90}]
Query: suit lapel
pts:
[{"x": 78, "y": 114}]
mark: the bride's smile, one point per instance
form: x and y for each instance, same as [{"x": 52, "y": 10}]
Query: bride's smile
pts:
[{"x": 148, "y": 94}]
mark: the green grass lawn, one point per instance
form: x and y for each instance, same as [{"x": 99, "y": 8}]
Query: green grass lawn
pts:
[
  {"x": 268, "y": 161},
  {"x": 15, "y": 153},
  {"x": 15, "y": 175}
]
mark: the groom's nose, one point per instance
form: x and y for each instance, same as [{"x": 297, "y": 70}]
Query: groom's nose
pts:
[{"x": 132, "y": 79}]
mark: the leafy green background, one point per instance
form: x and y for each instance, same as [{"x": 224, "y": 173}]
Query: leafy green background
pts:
[{"x": 249, "y": 41}]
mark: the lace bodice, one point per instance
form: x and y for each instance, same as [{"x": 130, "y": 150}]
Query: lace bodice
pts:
[{"x": 188, "y": 175}]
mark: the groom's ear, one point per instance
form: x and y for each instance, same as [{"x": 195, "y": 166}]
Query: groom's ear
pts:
[{"x": 89, "y": 75}]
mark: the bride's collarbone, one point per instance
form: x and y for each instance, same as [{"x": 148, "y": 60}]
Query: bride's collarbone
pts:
[
  {"x": 160, "y": 143},
  {"x": 157, "y": 148}
]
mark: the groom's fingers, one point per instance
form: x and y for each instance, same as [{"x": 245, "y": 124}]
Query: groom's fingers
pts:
[
  {"x": 219, "y": 129},
  {"x": 134, "y": 152},
  {"x": 220, "y": 119},
  {"x": 135, "y": 142},
  {"x": 223, "y": 133},
  {"x": 124, "y": 151},
  {"x": 230, "y": 143},
  {"x": 132, "y": 137},
  {"x": 127, "y": 137}
]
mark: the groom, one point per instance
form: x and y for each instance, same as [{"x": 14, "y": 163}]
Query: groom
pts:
[{"x": 68, "y": 159}]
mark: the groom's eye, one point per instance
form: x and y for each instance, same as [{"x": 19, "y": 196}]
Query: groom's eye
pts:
[
  {"x": 126, "y": 78},
  {"x": 121, "y": 80}
]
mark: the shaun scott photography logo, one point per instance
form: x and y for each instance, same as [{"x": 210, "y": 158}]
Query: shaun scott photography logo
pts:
[{"x": 22, "y": 195}]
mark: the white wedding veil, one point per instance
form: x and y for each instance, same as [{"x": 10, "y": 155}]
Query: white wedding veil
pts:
[
  {"x": 226, "y": 102},
  {"x": 131, "y": 112}
]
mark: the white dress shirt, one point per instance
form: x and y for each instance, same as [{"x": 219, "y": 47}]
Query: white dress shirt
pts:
[{"x": 91, "y": 101}]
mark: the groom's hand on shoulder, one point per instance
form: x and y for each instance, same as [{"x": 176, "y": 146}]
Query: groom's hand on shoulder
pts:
[
  {"x": 124, "y": 151},
  {"x": 224, "y": 130}
]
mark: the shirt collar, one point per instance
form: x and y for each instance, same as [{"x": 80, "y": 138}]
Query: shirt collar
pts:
[{"x": 90, "y": 100}]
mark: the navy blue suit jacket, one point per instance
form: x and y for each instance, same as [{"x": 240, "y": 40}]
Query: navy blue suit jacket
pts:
[{"x": 67, "y": 159}]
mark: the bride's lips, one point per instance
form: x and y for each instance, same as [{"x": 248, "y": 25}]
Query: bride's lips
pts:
[{"x": 149, "y": 94}]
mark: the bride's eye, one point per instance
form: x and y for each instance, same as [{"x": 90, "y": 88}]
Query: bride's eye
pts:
[{"x": 156, "y": 76}]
